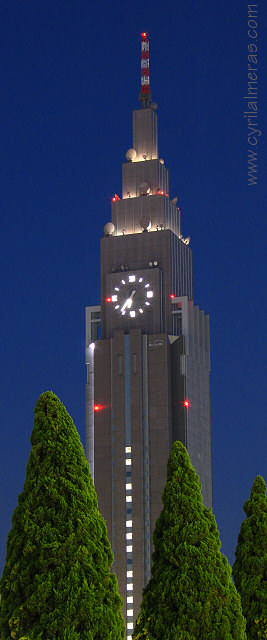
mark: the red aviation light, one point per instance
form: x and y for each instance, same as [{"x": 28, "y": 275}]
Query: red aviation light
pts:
[
  {"x": 144, "y": 35},
  {"x": 108, "y": 299},
  {"x": 97, "y": 407},
  {"x": 160, "y": 192},
  {"x": 186, "y": 404},
  {"x": 115, "y": 197},
  {"x": 172, "y": 295}
]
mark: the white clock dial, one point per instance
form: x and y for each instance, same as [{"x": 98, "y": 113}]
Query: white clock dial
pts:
[{"x": 132, "y": 296}]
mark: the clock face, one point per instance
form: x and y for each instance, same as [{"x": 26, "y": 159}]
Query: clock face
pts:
[{"x": 132, "y": 296}]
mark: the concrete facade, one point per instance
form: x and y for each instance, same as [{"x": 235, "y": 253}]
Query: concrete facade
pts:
[{"x": 147, "y": 352}]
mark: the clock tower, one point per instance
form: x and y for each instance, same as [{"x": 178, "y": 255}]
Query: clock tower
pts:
[{"x": 147, "y": 356}]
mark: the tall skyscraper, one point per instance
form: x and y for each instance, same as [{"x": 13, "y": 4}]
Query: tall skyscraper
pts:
[{"x": 147, "y": 355}]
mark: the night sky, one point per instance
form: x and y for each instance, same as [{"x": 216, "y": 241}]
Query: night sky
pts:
[{"x": 70, "y": 81}]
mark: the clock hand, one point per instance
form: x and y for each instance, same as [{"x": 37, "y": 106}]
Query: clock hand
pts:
[{"x": 128, "y": 302}]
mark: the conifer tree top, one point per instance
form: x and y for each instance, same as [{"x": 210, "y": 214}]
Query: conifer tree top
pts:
[
  {"x": 57, "y": 583},
  {"x": 250, "y": 566},
  {"x": 190, "y": 595},
  {"x": 257, "y": 494}
]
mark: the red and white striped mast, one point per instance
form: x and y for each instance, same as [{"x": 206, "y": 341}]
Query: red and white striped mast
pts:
[{"x": 145, "y": 95}]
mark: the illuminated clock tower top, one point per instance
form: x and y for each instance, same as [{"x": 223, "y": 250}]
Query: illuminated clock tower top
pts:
[{"x": 144, "y": 238}]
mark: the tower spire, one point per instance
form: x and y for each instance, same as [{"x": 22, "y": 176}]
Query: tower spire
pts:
[{"x": 145, "y": 95}]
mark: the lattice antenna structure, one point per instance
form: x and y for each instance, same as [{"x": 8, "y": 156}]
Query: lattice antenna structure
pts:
[{"x": 145, "y": 95}]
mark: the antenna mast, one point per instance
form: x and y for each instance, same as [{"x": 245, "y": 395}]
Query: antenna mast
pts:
[{"x": 145, "y": 95}]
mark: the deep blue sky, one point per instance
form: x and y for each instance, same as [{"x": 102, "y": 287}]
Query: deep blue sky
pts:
[{"x": 70, "y": 80}]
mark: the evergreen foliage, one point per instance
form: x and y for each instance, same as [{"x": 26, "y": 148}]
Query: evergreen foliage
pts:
[
  {"x": 250, "y": 567},
  {"x": 57, "y": 583},
  {"x": 190, "y": 595}
]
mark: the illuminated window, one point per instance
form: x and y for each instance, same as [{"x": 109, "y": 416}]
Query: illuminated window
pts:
[
  {"x": 132, "y": 314},
  {"x": 128, "y": 462},
  {"x": 129, "y": 523},
  {"x": 130, "y": 613},
  {"x": 129, "y": 586},
  {"x": 129, "y": 536},
  {"x": 129, "y": 638},
  {"x": 114, "y": 298},
  {"x": 129, "y": 499},
  {"x": 128, "y": 449},
  {"x": 129, "y": 625},
  {"x": 131, "y": 278},
  {"x": 129, "y": 548},
  {"x": 129, "y": 575},
  {"x": 128, "y": 486},
  {"x": 130, "y": 600},
  {"x": 149, "y": 294}
]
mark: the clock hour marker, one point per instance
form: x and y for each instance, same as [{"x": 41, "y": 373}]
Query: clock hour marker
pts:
[
  {"x": 147, "y": 285},
  {"x": 140, "y": 280},
  {"x": 147, "y": 303},
  {"x": 141, "y": 310},
  {"x": 123, "y": 281},
  {"x": 117, "y": 306},
  {"x": 116, "y": 288}
]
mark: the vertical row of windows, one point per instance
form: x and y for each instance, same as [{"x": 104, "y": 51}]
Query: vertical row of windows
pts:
[{"x": 129, "y": 543}]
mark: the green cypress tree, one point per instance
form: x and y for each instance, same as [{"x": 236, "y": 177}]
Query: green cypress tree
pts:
[
  {"x": 56, "y": 583},
  {"x": 250, "y": 566},
  {"x": 190, "y": 595}
]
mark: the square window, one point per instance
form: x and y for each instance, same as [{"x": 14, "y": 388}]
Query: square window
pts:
[
  {"x": 129, "y": 499},
  {"x": 129, "y": 536},
  {"x": 130, "y": 600},
  {"x": 128, "y": 449},
  {"x": 129, "y": 512},
  {"x": 129, "y": 548},
  {"x": 149, "y": 294},
  {"x": 129, "y": 625},
  {"x": 129, "y": 613},
  {"x": 128, "y": 486},
  {"x": 129, "y": 523},
  {"x": 131, "y": 278},
  {"x": 129, "y": 575},
  {"x": 128, "y": 462},
  {"x": 129, "y": 587}
]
